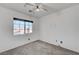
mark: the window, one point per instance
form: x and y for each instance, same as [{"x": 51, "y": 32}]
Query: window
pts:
[
  {"x": 18, "y": 27},
  {"x": 28, "y": 27},
  {"x": 22, "y": 26}
]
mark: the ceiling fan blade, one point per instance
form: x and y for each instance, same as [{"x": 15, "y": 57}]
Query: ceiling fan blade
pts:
[
  {"x": 42, "y": 8},
  {"x": 28, "y": 4},
  {"x": 45, "y": 9}
]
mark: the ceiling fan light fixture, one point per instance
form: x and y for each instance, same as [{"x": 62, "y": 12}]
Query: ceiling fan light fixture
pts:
[{"x": 37, "y": 9}]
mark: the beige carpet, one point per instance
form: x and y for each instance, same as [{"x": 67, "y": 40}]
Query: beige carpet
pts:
[{"x": 39, "y": 48}]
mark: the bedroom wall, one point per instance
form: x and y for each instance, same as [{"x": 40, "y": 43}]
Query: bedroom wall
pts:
[
  {"x": 7, "y": 39},
  {"x": 62, "y": 26}
]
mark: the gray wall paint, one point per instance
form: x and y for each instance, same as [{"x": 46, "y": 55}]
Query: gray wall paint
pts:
[
  {"x": 62, "y": 26},
  {"x": 7, "y": 39}
]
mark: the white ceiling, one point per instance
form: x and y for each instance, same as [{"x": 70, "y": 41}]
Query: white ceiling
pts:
[{"x": 51, "y": 7}]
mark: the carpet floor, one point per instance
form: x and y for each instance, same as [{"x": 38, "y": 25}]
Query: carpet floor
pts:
[{"x": 39, "y": 48}]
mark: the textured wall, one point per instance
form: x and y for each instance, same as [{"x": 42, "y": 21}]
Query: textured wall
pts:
[
  {"x": 7, "y": 39},
  {"x": 62, "y": 26}
]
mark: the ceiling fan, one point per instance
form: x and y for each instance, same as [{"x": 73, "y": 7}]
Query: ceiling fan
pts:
[{"x": 36, "y": 7}]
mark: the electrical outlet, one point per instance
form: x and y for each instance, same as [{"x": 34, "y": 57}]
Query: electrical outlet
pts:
[
  {"x": 28, "y": 38},
  {"x": 61, "y": 42},
  {"x": 56, "y": 40}
]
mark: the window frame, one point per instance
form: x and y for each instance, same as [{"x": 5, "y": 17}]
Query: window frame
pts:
[{"x": 24, "y": 25}]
